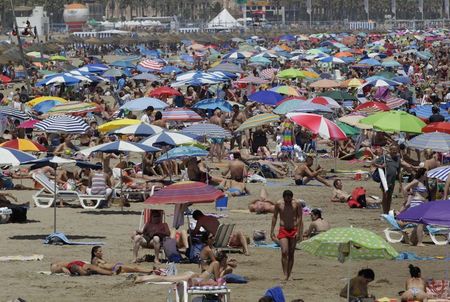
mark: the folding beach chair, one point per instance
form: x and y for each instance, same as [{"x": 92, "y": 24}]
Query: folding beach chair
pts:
[
  {"x": 185, "y": 293},
  {"x": 146, "y": 217},
  {"x": 222, "y": 238},
  {"x": 436, "y": 232},
  {"x": 394, "y": 229}
]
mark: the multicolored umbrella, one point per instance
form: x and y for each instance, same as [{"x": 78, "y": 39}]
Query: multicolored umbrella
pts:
[
  {"x": 167, "y": 138},
  {"x": 116, "y": 124},
  {"x": 185, "y": 192},
  {"x": 119, "y": 146},
  {"x": 439, "y": 127},
  {"x": 182, "y": 152},
  {"x": 325, "y": 101},
  {"x": 252, "y": 80},
  {"x": 13, "y": 157},
  {"x": 266, "y": 97},
  {"x": 207, "y": 130},
  {"x": 13, "y": 112},
  {"x": 141, "y": 129},
  {"x": 268, "y": 73},
  {"x": 371, "y": 107},
  {"x": 258, "y": 120},
  {"x": 164, "y": 91},
  {"x": 74, "y": 108},
  {"x": 430, "y": 213},
  {"x": 318, "y": 124},
  {"x": 62, "y": 124},
  {"x": 394, "y": 121},
  {"x": 300, "y": 106},
  {"x": 24, "y": 145},
  {"x": 41, "y": 99},
  {"x": 436, "y": 141},
  {"x": 287, "y": 90},
  {"x": 142, "y": 104},
  {"x": 394, "y": 102},
  {"x": 181, "y": 115},
  {"x": 440, "y": 173}
]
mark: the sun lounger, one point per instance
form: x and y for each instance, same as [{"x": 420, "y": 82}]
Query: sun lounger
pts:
[
  {"x": 434, "y": 231},
  {"x": 184, "y": 293},
  {"x": 223, "y": 236},
  {"x": 394, "y": 229},
  {"x": 45, "y": 197}
]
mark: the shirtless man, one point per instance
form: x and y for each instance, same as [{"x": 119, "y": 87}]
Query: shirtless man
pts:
[
  {"x": 291, "y": 229},
  {"x": 236, "y": 168},
  {"x": 318, "y": 224},
  {"x": 217, "y": 142},
  {"x": 262, "y": 205},
  {"x": 237, "y": 119},
  {"x": 303, "y": 173}
]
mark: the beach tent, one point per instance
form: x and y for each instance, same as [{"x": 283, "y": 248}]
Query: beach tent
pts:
[{"x": 224, "y": 20}]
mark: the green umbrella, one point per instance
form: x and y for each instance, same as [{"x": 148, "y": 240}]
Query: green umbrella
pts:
[
  {"x": 394, "y": 121},
  {"x": 348, "y": 130},
  {"x": 290, "y": 73},
  {"x": 258, "y": 120},
  {"x": 260, "y": 59},
  {"x": 58, "y": 58},
  {"x": 339, "y": 95},
  {"x": 386, "y": 74}
]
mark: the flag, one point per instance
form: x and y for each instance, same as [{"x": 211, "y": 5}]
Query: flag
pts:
[
  {"x": 394, "y": 6},
  {"x": 421, "y": 6},
  {"x": 308, "y": 7},
  {"x": 446, "y": 8},
  {"x": 366, "y": 6}
]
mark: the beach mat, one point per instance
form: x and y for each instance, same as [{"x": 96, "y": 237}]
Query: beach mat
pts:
[
  {"x": 49, "y": 273},
  {"x": 21, "y": 258},
  {"x": 60, "y": 238},
  {"x": 412, "y": 257},
  {"x": 266, "y": 245}
]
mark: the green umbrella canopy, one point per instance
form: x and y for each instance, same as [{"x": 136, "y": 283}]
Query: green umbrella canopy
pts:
[
  {"x": 348, "y": 130},
  {"x": 290, "y": 73},
  {"x": 386, "y": 74},
  {"x": 349, "y": 243},
  {"x": 339, "y": 95},
  {"x": 394, "y": 121}
]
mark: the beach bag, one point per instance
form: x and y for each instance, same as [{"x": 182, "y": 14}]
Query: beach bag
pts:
[
  {"x": 359, "y": 194},
  {"x": 376, "y": 176},
  {"x": 194, "y": 252},
  {"x": 19, "y": 215},
  {"x": 170, "y": 249}
]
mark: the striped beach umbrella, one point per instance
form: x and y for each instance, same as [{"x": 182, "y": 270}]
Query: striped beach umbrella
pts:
[
  {"x": 119, "y": 146},
  {"x": 181, "y": 115},
  {"x": 268, "y": 73},
  {"x": 150, "y": 65},
  {"x": 75, "y": 108},
  {"x": 371, "y": 107},
  {"x": 317, "y": 124},
  {"x": 207, "y": 130},
  {"x": 424, "y": 111},
  {"x": 116, "y": 124},
  {"x": 24, "y": 145},
  {"x": 94, "y": 68},
  {"x": 436, "y": 141},
  {"x": 252, "y": 80},
  {"x": 325, "y": 101},
  {"x": 258, "y": 120},
  {"x": 167, "y": 138},
  {"x": 354, "y": 83},
  {"x": 142, "y": 129},
  {"x": 182, "y": 152},
  {"x": 440, "y": 173},
  {"x": 62, "y": 124},
  {"x": 394, "y": 102},
  {"x": 185, "y": 192},
  {"x": 13, "y": 157},
  {"x": 13, "y": 112}
]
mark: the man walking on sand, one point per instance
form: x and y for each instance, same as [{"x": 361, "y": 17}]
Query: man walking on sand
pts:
[{"x": 291, "y": 229}]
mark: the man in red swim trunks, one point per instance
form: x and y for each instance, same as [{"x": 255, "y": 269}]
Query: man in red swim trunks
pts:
[{"x": 291, "y": 229}]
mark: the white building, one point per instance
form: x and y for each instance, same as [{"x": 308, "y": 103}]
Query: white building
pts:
[{"x": 37, "y": 17}]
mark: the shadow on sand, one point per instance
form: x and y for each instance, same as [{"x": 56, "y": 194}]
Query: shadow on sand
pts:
[
  {"x": 43, "y": 236},
  {"x": 111, "y": 212}
]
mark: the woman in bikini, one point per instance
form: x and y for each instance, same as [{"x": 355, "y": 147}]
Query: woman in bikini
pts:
[
  {"x": 78, "y": 268},
  {"x": 415, "y": 286},
  {"x": 119, "y": 267}
]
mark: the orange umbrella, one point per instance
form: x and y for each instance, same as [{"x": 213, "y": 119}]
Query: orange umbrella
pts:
[
  {"x": 24, "y": 145},
  {"x": 324, "y": 84},
  {"x": 343, "y": 54}
]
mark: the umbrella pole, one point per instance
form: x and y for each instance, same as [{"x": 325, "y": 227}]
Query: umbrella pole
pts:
[
  {"x": 121, "y": 184},
  {"x": 54, "y": 203},
  {"x": 348, "y": 279},
  {"x": 335, "y": 155}
]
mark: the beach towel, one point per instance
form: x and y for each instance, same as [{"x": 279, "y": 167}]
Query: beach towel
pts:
[
  {"x": 272, "y": 245},
  {"x": 276, "y": 293},
  {"x": 60, "y": 238},
  {"x": 21, "y": 258},
  {"x": 233, "y": 278},
  {"x": 437, "y": 289},
  {"x": 412, "y": 256},
  {"x": 48, "y": 273}
]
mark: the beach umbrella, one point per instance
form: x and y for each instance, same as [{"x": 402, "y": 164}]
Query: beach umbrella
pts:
[
  {"x": 142, "y": 103},
  {"x": 146, "y": 76},
  {"x": 151, "y": 65},
  {"x": 227, "y": 67},
  {"x": 116, "y": 124},
  {"x": 62, "y": 78},
  {"x": 370, "y": 62},
  {"x": 317, "y": 124},
  {"x": 74, "y": 108},
  {"x": 94, "y": 68},
  {"x": 425, "y": 111},
  {"x": 123, "y": 64},
  {"x": 353, "y": 119},
  {"x": 300, "y": 106},
  {"x": 252, "y": 80},
  {"x": 207, "y": 130},
  {"x": 38, "y": 100},
  {"x": 260, "y": 60},
  {"x": 113, "y": 73},
  {"x": 353, "y": 83},
  {"x": 13, "y": 112},
  {"x": 325, "y": 101},
  {"x": 436, "y": 141},
  {"x": 290, "y": 73},
  {"x": 381, "y": 83},
  {"x": 268, "y": 73},
  {"x": 23, "y": 145},
  {"x": 348, "y": 130},
  {"x": 394, "y": 102},
  {"x": 324, "y": 83},
  {"x": 181, "y": 115},
  {"x": 119, "y": 146},
  {"x": 331, "y": 59},
  {"x": 310, "y": 74},
  {"x": 62, "y": 124},
  {"x": 212, "y": 104},
  {"x": 434, "y": 213},
  {"x": 266, "y": 97},
  {"x": 141, "y": 129},
  {"x": 390, "y": 64},
  {"x": 402, "y": 79},
  {"x": 287, "y": 90},
  {"x": 371, "y": 107},
  {"x": 343, "y": 54},
  {"x": 167, "y": 138},
  {"x": 236, "y": 55},
  {"x": 58, "y": 58},
  {"x": 170, "y": 69},
  {"x": 185, "y": 192},
  {"x": 394, "y": 121},
  {"x": 439, "y": 127},
  {"x": 440, "y": 173},
  {"x": 164, "y": 91},
  {"x": 13, "y": 157},
  {"x": 338, "y": 95},
  {"x": 4, "y": 79},
  {"x": 28, "y": 124},
  {"x": 182, "y": 152},
  {"x": 258, "y": 120}
]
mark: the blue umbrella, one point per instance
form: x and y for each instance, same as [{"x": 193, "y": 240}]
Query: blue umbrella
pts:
[
  {"x": 45, "y": 106},
  {"x": 59, "y": 78},
  {"x": 182, "y": 152},
  {"x": 430, "y": 213},
  {"x": 234, "y": 55},
  {"x": 142, "y": 103},
  {"x": 187, "y": 58},
  {"x": 266, "y": 97},
  {"x": 402, "y": 79},
  {"x": 212, "y": 104},
  {"x": 424, "y": 111},
  {"x": 300, "y": 106},
  {"x": 391, "y": 63},
  {"x": 146, "y": 77},
  {"x": 370, "y": 62},
  {"x": 206, "y": 130},
  {"x": 119, "y": 146},
  {"x": 95, "y": 68},
  {"x": 113, "y": 73},
  {"x": 287, "y": 38},
  {"x": 170, "y": 69},
  {"x": 123, "y": 64},
  {"x": 436, "y": 141},
  {"x": 141, "y": 129},
  {"x": 227, "y": 67},
  {"x": 13, "y": 157}
]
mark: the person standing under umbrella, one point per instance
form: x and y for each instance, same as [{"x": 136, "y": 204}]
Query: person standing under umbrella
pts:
[{"x": 291, "y": 229}]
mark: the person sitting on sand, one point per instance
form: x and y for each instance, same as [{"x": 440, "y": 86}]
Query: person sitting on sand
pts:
[
  {"x": 196, "y": 171},
  {"x": 262, "y": 205},
  {"x": 233, "y": 188},
  {"x": 79, "y": 268},
  {"x": 208, "y": 255},
  {"x": 236, "y": 168},
  {"x": 97, "y": 259},
  {"x": 415, "y": 286},
  {"x": 318, "y": 224},
  {"x": 152, "y": 236},
  {"x": 359, "y": 285},
  {"x": 339, "y": 195},
  {"x": 303, "y": 173}
]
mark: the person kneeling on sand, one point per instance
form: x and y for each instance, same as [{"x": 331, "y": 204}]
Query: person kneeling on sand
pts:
[
  {"x": 359, "y": 286},
  {"x": 79, "y": 268},
  {"x": 415, "y": 286}
]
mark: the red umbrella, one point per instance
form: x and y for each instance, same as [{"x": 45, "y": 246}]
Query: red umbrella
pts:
[
  {"x": 164, "y": 91},
  {"x": 181, "y": 114},
  {"x": 185, "y": 192},
  {"x": 28, "y": 124},
  {"x": 371, "y": 107},
  {"x": 289, "y": 98},
  {"x": 439, "y": 127},
  {"x": 324, "y": 100},
  {"x": 24, "y": 145},
  {"x": 4, "y": 79},
  {"x": 318, "y": 125}
]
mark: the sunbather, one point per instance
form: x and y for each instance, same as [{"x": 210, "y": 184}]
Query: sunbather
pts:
[
  {"x": 79, "y": 268},
  {"x": 339, "y": 195},
  {"x": 303, "y": 173},
  {"x": 233, "y": 188},
  {"x": 415, "y": 286},
  {"x": 208, "y": 255},
  {"x": 97, "y": 259},
  {"x": 262, "y": 205},
  {"x": 318, "y": 224}
]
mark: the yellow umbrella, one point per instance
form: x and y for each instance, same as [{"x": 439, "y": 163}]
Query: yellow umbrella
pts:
[
  {"x": 355, "y": 83},
  {"x": 324, "y": 83},
  {"x": 310, "y": 74},
  {"x": 41, "y": 99},
  {"x": 117, "y": 124}
]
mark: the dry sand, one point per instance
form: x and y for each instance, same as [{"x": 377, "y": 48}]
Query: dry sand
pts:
[{"x": 314, "y": 279}]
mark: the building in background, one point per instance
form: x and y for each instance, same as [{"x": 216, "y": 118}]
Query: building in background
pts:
[
  {"x": 75, "y": 16},
  {"x": 37, "y": 16}
]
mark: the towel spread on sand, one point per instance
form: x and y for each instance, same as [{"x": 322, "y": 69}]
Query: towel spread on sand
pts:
[
  {"x": 60, "y": 238},
  {"x": 412, "y": 256},
  {"x": 48, "y": 273},
  {"x": 21, "y": 258}
]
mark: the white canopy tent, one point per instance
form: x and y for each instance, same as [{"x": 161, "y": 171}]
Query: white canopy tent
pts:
[{"x": 224, "y": 20}]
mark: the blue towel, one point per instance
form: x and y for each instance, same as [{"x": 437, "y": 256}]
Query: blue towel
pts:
[
  {"x": 267, "y": 245},
  {"x": 276, "y": 293},
  {"x": 412, "y": 256},
  {"x": 233, "y": 278},
  {"x": 60, "y": 238}
]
